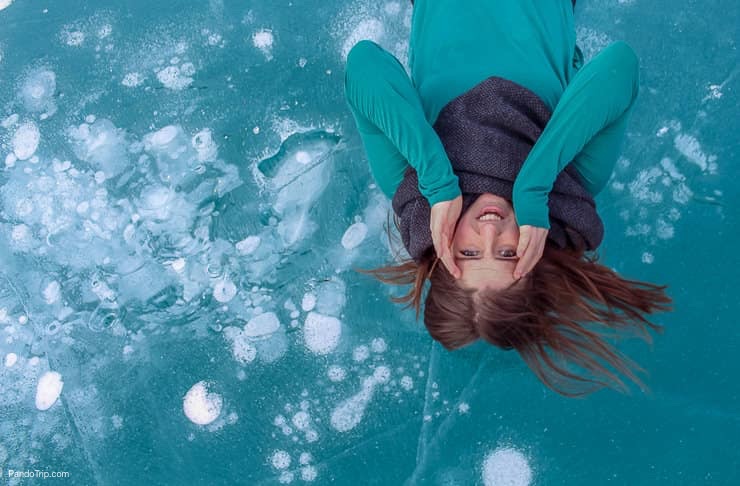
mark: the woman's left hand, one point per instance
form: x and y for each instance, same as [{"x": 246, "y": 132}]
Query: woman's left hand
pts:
[
  {"x": 530, "y": 248},
  {"x": 442, "y": 224}
]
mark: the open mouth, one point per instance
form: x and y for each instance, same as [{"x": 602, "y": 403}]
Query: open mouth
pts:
[{"x": 490, "y": 213}]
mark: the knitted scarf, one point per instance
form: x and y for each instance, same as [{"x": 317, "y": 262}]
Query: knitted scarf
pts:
[{"x": 487, "y": 133}]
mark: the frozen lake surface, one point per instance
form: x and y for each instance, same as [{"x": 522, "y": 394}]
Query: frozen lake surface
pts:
[{"x": 184, "y": 197}]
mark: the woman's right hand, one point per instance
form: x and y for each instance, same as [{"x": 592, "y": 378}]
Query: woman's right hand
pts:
[
  {"x": 530, "y": 248},
  {"x": 442, "y": 223}
]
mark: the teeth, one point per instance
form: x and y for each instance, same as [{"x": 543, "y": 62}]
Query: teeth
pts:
[{"x": 490, "y": 217}]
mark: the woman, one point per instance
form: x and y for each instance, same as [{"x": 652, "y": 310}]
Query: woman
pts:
[{"x": 492, "y": 153}]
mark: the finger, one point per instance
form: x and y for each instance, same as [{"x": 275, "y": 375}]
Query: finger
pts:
[
  {"x": 449, "y": 262},
  {"x": 523, "y": 254}
]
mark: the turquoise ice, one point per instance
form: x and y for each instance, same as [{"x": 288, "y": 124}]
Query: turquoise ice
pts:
[{"x": 184, "y": 197}]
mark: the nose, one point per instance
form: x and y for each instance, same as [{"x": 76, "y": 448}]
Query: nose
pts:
[{"x": 490, "y": 233}]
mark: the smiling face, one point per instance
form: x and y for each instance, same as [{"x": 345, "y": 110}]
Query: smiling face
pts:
[{"x": 485, "y": 244}]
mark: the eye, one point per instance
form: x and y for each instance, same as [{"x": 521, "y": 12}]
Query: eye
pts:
[
  {"x": 508, "y": 253},
  {"x": 468, "y": 253}
]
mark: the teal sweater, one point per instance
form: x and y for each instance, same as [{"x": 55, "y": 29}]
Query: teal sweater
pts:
[{"x": 455, "y": 46}]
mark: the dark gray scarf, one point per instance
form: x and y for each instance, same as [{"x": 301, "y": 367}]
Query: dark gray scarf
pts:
[{"x": 487, "y": 133}]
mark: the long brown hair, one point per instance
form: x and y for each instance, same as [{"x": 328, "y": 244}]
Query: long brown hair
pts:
[{"x": 556, "y": 318}]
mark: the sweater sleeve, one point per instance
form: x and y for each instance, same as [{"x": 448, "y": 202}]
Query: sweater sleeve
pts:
[
  {"x": 391, "y": 121},
  {"x": 587, "y": 127}
]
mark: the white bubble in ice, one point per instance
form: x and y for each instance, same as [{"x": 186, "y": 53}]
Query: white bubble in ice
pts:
[
  {"x": 506, "y": 466},
  {"x": 262, "y": 40},
  {"x": 463, "y": 408},
  {"x": 348, "y": 414},
  {"x": 26, "y": 140},
  {"x": 173, "y": 79},
  {"x": 305, "y": 458},
  {"x": 302, "y": 157},
  {"x": 301, "y": 420},
  {"x": 187, "y": 69},
  {"x": 262, "y": 325},
  {"x": 224, "y": 290},
  {"x": 378, "y": 345},
  {"x": 381, "y": 374},
  {"x": 163, "y": 136},
  {"x": 354, "y": 235},
  {"x": 308, "y": 473},
  {"x": 132, "y": 80},
  {"x": 73, "y": 38},
  {"x": 248, "y": 245},
  {"x": 10, "y": 359},
  {"x": 48, "y": 389},
  {"x": 241, "y": 346},
  {"x": 407, "y": 383},
  {"x": 37, "y": 91},
  {"x": 308, "y": 302},
  {"x": 280, "y": 460},
  {"x": 52, "y": 292},
  {"x": 360, "y": 353},
  {"x": 336, "y": 373},
  {"x": 203, "y": 143},
  {"x": 321, "y": 333},
  {"x": 5, "y": 4},
  {"x": 178, "y": 265},
  {"x": 647, "y": 257},
  {"x": 200, "y": 405}
]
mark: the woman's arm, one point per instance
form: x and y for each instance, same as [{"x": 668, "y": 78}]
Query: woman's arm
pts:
[
  {"x": 587, "y": 127},
  {"x": 391, "y": 122}
]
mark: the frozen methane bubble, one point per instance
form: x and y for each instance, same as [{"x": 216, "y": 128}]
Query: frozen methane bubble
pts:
[
  {"x": 26, "y": 140},
  {"x": 280, "y": 460},
  {"x": 37, "y": 91},
  {"x": 506, "y": 466},
  {"x": 201, "y": 406},
  {"x": 224, "y": 290},
  {"x": 48, "y": 389},
  {"x": 248, "y": 245},
  {"x": 321, "y": 333},
  {"x": 10, "y": 359},
  {"x": 203, "y": 143},
  {"x": 262, "y": 325},
  {"x": 173, "y": 78},
  {"x": 52, "y": 292},
  {"x": 308, "y": 302},
  {"x": 354, "y": 235},
  {"x": 5, "y": 4}
]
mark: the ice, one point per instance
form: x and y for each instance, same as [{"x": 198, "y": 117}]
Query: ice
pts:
[
  {"x": 280, "y": 460},
  {"x": 262, "y": 325},
  {"x": 224, "y": 290},
  {"x": 132, "y": 80},
  {"x": 321, "y": 333},
  {"x": 37, "y": 92},
  {"x": 176, "y": 78},
  {"x": 200, "y": 405},
  {"x": 48, "y": 389},
  {"x": 349, "y": 413},
  {"x": 296, "y": 183},
  {"x": 26, "y": 140},
  {"x": 354, "y": 235},
  {"x": 184, "y": 198},
  {"x": 10, "y": 359},
  {"x": 506, "y": 466},
  {"x": 100, "y": 144},
  {"x": 263, "y": 40}
]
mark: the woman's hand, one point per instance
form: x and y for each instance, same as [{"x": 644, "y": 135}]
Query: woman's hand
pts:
[
  {"x": 442, "y": 223},
  {"x": 531, "y": 246}
]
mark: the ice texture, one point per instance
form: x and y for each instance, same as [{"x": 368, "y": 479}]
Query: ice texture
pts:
[{"x": 184, "y": 202}]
